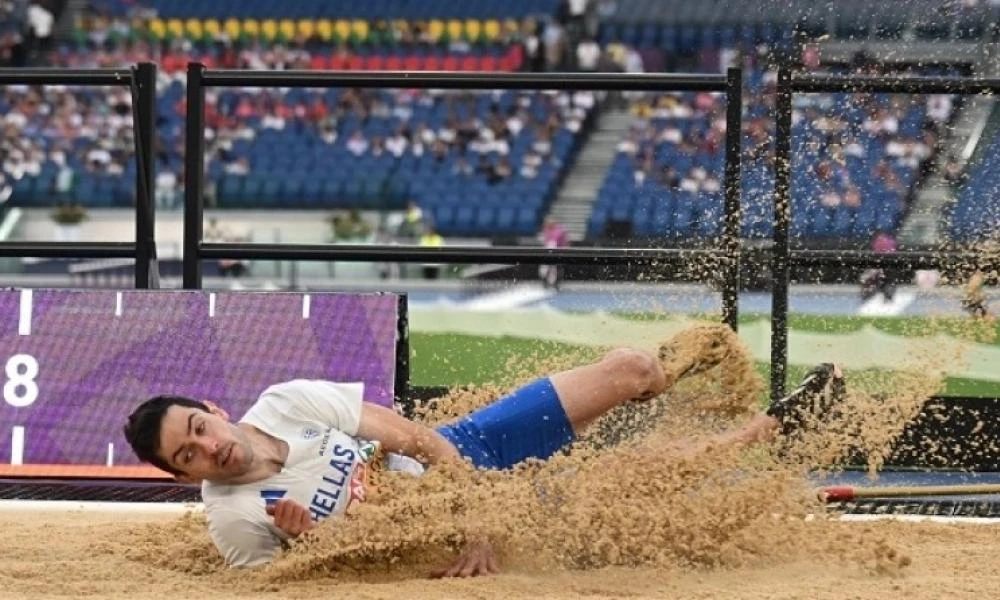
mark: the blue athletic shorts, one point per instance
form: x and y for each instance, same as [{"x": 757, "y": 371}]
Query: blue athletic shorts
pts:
[{"x": 529, "y": 423}]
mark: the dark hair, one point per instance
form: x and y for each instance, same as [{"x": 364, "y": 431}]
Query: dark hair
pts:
[{"x": 143, "y": 428}]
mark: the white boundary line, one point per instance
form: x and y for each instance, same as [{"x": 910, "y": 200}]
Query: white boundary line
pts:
[
  {"x": 64, "y": 506},
  {"x": 305, "y": 306},
  {"x": 17, "y": 445},
  {"x": 920, "y": 519},
  {"x": 118, "y": 304},
  {"x": 211, "y": 304},
  {"x": 24, "y": 320}
]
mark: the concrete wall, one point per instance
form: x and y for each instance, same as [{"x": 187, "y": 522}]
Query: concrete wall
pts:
[{"x": 115, "y": 225}]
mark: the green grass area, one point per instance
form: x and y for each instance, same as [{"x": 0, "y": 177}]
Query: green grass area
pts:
[{"x": 455, "y": 360}]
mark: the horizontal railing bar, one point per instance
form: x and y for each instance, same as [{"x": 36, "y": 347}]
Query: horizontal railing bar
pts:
[
  {"x": 36, "y": 76},
  {"x": 68, "y": 249},
  {"x": 464, "y": 80},
  {"x": 454, "y": 254}
]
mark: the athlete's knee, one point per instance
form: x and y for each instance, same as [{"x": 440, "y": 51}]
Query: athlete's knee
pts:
[{"x": 640, "y": 369}]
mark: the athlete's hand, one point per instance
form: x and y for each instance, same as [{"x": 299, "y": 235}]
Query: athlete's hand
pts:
[
  {"x": 290, "y": 517},
  {"x": 477, "y": 559}
]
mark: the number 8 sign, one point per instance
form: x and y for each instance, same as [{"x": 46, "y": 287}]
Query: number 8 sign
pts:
[{"x": 21, "y": 390}]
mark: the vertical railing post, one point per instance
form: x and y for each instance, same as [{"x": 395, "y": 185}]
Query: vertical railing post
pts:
[
  {"x": 146, "y": 275},
  {"x": 194, "y": 176},
  {"x": 782, "y": 219},
  {"x": 731, "y": 224}
]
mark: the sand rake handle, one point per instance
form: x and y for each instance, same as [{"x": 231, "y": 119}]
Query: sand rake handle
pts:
[{"x": 844, "y": 493}]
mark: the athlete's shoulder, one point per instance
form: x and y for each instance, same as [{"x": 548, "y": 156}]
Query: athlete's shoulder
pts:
[{"x": 304, "y": 385}]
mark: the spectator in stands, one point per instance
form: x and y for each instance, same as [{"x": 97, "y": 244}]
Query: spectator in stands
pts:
[
  {"x": 431, "y": 239},
  {"x": 555, "y": 46},
  {"x": 352, "y": 228},
  {"x": 357, "y": 144},
  {"x": 953, "y": 173},
  {"x": 39, "y": 33},
  {"x": 167, "y": 189},
  {"x": 939, "y": 109},
  {"x": 553, "y": 235},
  {"x": 877, "y": 281},
  {"x": 534, "y": 46},
  {"x": 413, "y": 224},
  {"x": 398, "y": 142},
  {"x": 588, "y": 55},
  {"x": 572, "y": 14},
  {"x": 216, "y": 233},
  {"x": 530, "y": 165}
]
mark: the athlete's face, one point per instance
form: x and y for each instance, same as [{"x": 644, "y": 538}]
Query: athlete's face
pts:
[{"x": 203, "y": 445}]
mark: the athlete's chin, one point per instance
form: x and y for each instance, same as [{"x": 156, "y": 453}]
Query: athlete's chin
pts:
[{"x": 238, "y": 461}]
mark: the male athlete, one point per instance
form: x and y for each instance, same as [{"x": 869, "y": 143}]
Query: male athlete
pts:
[{"x": 302, "y": 451}]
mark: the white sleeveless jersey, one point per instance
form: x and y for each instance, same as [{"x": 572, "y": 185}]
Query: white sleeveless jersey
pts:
[{"x": 324, "y": 471}]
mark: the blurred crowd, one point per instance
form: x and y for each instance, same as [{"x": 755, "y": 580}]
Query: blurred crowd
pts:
[
  {"x": 693, "y": 126},
  {"x": 89, "y": 130}
]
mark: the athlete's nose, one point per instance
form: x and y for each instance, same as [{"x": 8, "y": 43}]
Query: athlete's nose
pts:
[{"x": 208, "y": 445}]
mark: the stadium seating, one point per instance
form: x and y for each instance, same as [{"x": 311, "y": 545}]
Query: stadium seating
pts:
[
  {"x": 975, "y": 214},
  {"x": 291, "y": 165},
  {"x": 684, "y": 25},
  {"x": 339, "y": 9},
  {"x": 847, "y": 193}
]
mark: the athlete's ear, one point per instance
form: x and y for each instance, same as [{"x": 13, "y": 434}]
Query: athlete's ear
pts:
[{"x": 215, "y": 410}]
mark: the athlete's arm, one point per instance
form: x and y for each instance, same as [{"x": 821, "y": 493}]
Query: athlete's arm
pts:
[{"x": 403, "y": 436}]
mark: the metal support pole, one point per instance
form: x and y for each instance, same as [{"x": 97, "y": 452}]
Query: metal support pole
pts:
[
  {"x": 402, "y": 380},
  {"x": 146, "y": 275},
  {"x": 731, "y": 225},
  {"x": 782, "y": 217},
  {"x": 194, "y": 176}
]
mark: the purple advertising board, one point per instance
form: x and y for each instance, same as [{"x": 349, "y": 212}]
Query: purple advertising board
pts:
[{"x": 77, "y": 362}]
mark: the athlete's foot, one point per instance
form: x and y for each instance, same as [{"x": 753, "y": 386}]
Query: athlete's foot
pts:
[
  {"x": 820, "y": 391},
  {"x": 695, "y": 350}
]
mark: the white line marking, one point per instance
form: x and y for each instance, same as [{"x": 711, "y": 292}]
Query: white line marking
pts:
[
  {"x": 211, "y": 304},
  {"x": 118, "y": 304},
  {"x": 509, "y": 298},
  {"x": 65, "y": 506},
  {"x": 24, "y": 323},
  {"x": 17, "y": 445},
  {"x": 111, "y": 454},
  {"x": 878, "y": 306},
  {"x": 920, "y": 519},
  {"x": 305, "y": 306}
]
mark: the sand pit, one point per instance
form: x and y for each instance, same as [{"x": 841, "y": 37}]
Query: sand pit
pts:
[
  {"x": 64, "y": 556},
  {"x": 629, "y": 512}
]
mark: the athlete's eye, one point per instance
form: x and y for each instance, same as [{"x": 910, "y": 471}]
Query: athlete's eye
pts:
[{"x": 200, "y": 429}]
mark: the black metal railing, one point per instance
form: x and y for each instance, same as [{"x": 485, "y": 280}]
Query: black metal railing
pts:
[
  {"x": 195, "y": 249},
  {"x": 141, "y": 80},
  {"x": 782, "y": 258}
]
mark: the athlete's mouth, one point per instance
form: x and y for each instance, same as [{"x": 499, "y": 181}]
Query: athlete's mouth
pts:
[{"x": 224, "y": 457}]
